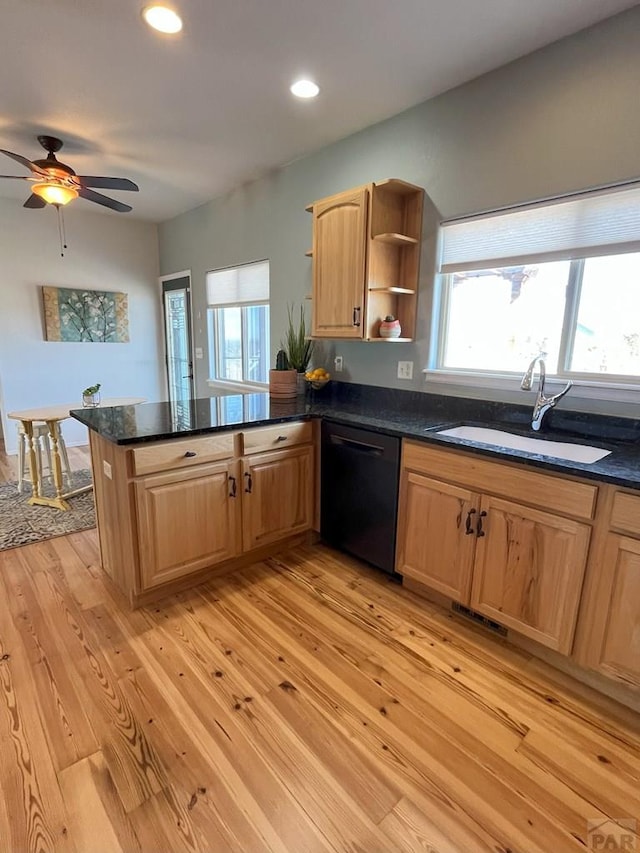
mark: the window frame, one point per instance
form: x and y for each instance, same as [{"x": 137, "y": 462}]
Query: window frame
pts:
[
  {"x": 456, "y": 253},
  {"x": 214, "y": 322},
  {"x": 215, "y": 336}
]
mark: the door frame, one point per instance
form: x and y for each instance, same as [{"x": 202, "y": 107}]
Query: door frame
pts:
[{"x": 161, "y": 281}]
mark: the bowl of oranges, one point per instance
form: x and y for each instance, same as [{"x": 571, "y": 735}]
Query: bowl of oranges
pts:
[{"x": 317, "y": 378}]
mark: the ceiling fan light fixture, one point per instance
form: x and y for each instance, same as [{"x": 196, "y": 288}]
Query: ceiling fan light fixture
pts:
[
  {"x": 54, "y": 193},
  {"x": 162, "y": 18},
  {"x": 304, "y": 89}
]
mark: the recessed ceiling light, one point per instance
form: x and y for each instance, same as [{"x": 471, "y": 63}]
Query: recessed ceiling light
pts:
[
  {"x": 304, "y": 89},
  {"x": 163, "y": 19}
]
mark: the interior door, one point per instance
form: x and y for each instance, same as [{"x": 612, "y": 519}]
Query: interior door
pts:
[{"x": 176, "y": 298}]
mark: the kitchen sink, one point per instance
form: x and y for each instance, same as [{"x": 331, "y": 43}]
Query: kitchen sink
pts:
[{"x": 540, "y": 447}]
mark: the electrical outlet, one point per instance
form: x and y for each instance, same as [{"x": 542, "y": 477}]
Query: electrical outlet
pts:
[
  {"x": 199, "y": 353},
  {"x": 405, "y": 370},
  {"x": 337, "y": 363}
]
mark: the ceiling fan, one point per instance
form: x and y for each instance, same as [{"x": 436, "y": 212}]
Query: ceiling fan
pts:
[{"x": 56, "y": 183}]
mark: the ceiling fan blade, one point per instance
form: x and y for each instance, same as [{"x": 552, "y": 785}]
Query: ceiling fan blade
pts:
[
  {"x": 89, "y": 195},
  {"x": 16, "y": 177},
  {"x": 20, "y": 159},
  {"x": 34, "y": 202},
  {"x": 107, "y": 183}
]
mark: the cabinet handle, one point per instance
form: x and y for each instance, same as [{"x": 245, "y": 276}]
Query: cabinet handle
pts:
[
  {"x": 480, "y": 532},
  {"x": 234, "y": 487},
  {"x": 468, "y": 528},
  {"x": 356, "y": 316},
  {"x": 248, "y": 482},
  {"x": 281, "y": 438},
  {"x": 190, "y": 453}
]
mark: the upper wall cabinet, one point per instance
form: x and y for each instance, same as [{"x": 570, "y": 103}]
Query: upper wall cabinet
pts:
[{"x": 366, "y": 258}]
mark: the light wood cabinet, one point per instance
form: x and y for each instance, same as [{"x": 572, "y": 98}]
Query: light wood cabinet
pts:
[
  {"x": 187, "y": 520},
  {"x": 366, "y": 257},
  {"x": 339, "y": 236},
  {"x": 170, "y": 511},
  {"x": 434, "y": 546},
  {"x": 519, "y": 565},
  {"x": 608, "y": 637},
  {"x": 277, "y": 495},
  {"x": 528, "y": 571}
]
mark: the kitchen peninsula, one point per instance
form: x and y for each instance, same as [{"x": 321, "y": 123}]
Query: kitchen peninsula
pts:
[{"x": 226, "y": 481}]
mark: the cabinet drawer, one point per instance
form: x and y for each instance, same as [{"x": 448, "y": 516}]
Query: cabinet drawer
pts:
[
  {"x": 277, "y": 437},
  {"x": 181, "y": 453},
  {"x": 510, "y": 481},
  {"x": 625, "y": 513}
]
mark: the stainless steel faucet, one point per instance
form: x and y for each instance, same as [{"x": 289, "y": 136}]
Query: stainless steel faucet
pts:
[{"x": 543, "y": 403}]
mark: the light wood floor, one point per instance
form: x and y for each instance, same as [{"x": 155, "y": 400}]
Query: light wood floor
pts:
[{"x": 303, "y": 704}]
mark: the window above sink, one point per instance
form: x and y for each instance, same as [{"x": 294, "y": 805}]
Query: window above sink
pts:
[{"x": 559, "y": 280}]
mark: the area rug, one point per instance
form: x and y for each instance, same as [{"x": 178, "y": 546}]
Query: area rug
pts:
[{"x": 21, "y": 524}]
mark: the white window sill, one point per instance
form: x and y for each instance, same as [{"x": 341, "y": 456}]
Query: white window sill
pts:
[
  {"x": 584, "y": 389},
  {"x": 225, "y": 386}
]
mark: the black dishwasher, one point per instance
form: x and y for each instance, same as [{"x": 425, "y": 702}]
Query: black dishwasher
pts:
[{"x": 360, "y": 471}]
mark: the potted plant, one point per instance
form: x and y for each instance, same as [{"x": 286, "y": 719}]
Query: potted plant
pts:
[
  {"x": 282, "y": 380},
  {"x": 91, "y": 396},
  {"x": 296, "y": 345}
]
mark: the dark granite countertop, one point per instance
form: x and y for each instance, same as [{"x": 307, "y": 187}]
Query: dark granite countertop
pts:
[{"x": 406, "y": 414}]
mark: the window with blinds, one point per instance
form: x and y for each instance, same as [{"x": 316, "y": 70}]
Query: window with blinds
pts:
[
  {"x": 559, "y": 279},
  {"x": 238, "y": 324}
]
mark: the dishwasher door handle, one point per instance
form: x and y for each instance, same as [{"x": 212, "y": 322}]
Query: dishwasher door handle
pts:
[{"x": 360, "y": 446}]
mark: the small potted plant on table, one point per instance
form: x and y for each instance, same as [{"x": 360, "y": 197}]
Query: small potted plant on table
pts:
[{"x": 91, "y": 396}]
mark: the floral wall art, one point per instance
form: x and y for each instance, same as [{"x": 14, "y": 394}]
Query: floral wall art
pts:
[{"x": 96, "y": 316}]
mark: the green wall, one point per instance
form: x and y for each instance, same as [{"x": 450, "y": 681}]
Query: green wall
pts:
[{"x": 563, "y": 118}]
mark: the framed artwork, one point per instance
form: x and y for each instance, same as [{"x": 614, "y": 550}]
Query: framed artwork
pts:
[{"x": 96, "y": 316}]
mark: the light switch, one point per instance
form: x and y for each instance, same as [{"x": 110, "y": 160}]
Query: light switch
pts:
[{"x": 199, "y": 353}]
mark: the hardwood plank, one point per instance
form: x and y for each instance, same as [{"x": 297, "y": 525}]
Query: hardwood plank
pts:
[
  {"x": 36, "y": 815},
  {"x": 97, "y": 820},
  {"x": 411, "y": 831},
  {"x": 62, "y": 711},
  {"x": 135, "y": 768},
  {"x": 594, "y": 775}
]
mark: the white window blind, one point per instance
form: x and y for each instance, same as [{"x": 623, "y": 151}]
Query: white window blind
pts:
[
  {"x": 244, "y": 285},
  {"x": 597, "y": 223}
]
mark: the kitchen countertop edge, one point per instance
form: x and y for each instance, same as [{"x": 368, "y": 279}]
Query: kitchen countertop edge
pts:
[{"x": 621, "y": 468}]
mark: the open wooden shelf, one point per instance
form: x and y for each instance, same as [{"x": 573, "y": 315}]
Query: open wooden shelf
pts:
[
  {"x": 396, "y": 239},
  {"x": 389, "y": 340},
  {"x": 391, "y": 290}
]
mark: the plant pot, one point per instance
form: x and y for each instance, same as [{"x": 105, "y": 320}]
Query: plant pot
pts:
[
  {"x": 90, "y": 400},
  {"x": 283, "y": 384}
]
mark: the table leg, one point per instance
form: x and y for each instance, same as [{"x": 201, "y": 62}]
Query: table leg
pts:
[
  {"x": 57, "y": 464},
  {"x": 27, "y": 426}
]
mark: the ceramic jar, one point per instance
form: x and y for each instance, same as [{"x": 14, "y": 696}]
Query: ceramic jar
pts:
[{"x": 390, "y": 327}]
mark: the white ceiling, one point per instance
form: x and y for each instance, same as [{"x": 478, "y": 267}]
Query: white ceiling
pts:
[{"x": 191, "y": 116}]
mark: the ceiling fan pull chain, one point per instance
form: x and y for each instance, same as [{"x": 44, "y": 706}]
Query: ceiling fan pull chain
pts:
[{"x": 61, "y": 231}]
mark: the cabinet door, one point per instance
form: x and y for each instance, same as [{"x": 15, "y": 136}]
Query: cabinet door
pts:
[
  {"x": 529, "y": 570},
  {"x": 616, "y": 651},
  {"x": 188, "y": 520},
  {"x": 339, "y": 264},
  {"x": 433, "y": 545},
  {"x": 277, "y": 496}
]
